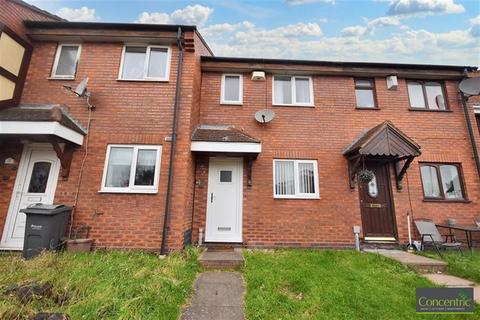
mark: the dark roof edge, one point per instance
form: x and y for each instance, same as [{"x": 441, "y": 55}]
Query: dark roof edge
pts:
[
  {"x": 37, "y": 9},
  {"x": 339, "y": 63},
  {"x": 107, "y": 25}
]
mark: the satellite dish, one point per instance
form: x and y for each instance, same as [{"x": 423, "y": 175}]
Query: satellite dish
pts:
[
  {"x": 81, "y": 89},
  {"x": 264, "y": 115},
  {"x": 470, "y": 87}
]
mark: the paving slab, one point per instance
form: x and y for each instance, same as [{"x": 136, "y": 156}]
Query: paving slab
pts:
[
  {"x": 419, "y": 263},
  {"x": 217, "y": 296},
  {"x": 453, "y": 282}
]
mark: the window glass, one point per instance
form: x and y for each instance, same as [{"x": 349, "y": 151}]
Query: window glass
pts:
[
  {"x": 451, "y": 182},
  {"x": 39, "y": 178},
  {"x": 363, "y": 83},
  {"x": 415, "y": 94},
  {"x": 302, "y": 90},
  {"x": 365, "y": 98},
  {"x": 134, "y": 62},
  {"x": 283, "y": 90},
  {"x": 431, "y": 189},
  {"x": 306, "y": 178},
  {"x": 225, "y": 176},
  {"x": 231, "y": 88},
  {"x": 145, "y": 170},
  {"x": 157, "y": 64},
  {"x": 119, "y": 166},
  {"x": 373, "y": 187},
  {"x": 284, "y": 178},
  {"x": 67, "y": 61},
  {"x": 435, "y": 96}
]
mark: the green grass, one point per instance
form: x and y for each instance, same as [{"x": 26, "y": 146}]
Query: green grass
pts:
[
  {"x": 325, "y": 284},
  {"x": 102, "y": 285},
  {"x": 466, "y": 266}
]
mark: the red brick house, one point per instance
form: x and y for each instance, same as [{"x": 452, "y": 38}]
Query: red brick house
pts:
[{"x": 172, "y": 152}]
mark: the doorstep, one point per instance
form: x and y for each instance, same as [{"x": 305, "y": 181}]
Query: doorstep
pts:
[{"x": 220, "y": 259}]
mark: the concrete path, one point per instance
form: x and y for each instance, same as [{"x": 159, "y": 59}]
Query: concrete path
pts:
[
  {"x": 452, "y": 282},
  {"x": 419, "y": 263},
  {"x": 217, "y": 296}
]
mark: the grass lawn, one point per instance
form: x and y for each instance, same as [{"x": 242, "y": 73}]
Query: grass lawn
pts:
[
  {"x": 326, "y": 284},
  {"x": 102, "y": 285},
  {"x": 466, "y": 266}
]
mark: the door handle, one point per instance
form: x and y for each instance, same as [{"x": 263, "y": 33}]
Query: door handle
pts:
[{"x": 211, "y": 197}]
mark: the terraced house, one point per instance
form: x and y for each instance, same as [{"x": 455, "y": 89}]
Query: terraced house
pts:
[{"x": 168, "y": 145}]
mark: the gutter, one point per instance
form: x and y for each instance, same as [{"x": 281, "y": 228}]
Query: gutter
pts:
[{"x": 174, "y": 139}]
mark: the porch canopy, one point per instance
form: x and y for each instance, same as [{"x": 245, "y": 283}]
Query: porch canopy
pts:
[
  {"x": 40, "y": 123},
  {"x": 43, "y": 123},
  {"x": 383, "y": 142},
  {"x": 224, "y": 139}
]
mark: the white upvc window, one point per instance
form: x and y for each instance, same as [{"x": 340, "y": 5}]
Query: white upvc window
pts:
[
  {"x": 131, "y": 169},
  {"x": 66, "y": 61},
  {"x": 295, "y": 179},
  {"x": 292, "y": 91},
  {"x": 145, "y": 63},
  {"x": 232, "y": 89}
]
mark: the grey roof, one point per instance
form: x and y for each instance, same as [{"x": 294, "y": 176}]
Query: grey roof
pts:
[
  {"x": 42, "y": 112},
  {"x": 221, "y": 133}
]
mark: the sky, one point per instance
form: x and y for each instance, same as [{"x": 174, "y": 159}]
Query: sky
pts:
[{"x": 400, "y": 31}]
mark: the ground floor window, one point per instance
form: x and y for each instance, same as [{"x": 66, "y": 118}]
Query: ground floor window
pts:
[
  {"x": 131, "y": 169},
  {"x": 296, "y": 179},
  {"x": 442, "y": 181}
]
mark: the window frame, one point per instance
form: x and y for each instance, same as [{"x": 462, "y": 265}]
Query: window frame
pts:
[
  {"x": 53, "y": 74},
  {"x": 372, "y": 88},
  {"x": 240, "y": 89},
  {"x": 294, "y": 93},
  {"x": 146, "y": 62},
  {"x": 442, "y": 197},
  {"x": 297, "y": 194},
  {"x": 425, "y": 98},
  {"x": 132, "y": 188}
]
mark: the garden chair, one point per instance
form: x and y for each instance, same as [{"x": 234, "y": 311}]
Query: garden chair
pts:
[
  {"x": 477, "y": 222},
  {"x": 431, "y": 236}
]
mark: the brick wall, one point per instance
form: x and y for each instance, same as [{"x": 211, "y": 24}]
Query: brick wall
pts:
[{"x": 322, "y": 133}]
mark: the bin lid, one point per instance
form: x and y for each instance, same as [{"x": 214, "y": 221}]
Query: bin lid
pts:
[{"x": 46, "y": 209}]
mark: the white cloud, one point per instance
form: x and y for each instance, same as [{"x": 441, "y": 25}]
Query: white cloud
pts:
[
  {"x": 475, "y": 29},
  {"x": 409, "y": 46},
  {"x": 218, "y": 29},
  {"x": 190, "y": 15},
  {"x": 301, "y": 2},
  {"x": 84, "y": 14},
  {"x": 414, "y": 7},
  {"x": 371, "y": 26}
]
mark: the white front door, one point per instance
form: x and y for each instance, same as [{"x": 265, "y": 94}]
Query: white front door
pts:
[
  {"x": 224, "y": 200},
  {"x": 35, "y": 183}
]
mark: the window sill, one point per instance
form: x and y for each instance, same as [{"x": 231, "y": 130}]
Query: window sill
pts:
[
  {"x": 428, "y": 110},
  {"x": 295, "y": 198},
  {"x": 227, "y": 103},
  {"x": 446, "y": 201},
  {"x": 367, "y": 108},
  {"x": 60, "y": 78},
  {"x": 129, "y": 191},
  {"x": 143, "y": 80},
  {"x": 295, "y": 105}
]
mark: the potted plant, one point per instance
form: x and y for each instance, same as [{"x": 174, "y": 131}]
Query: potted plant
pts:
[
  {"x": 80, "y": 241},
  {"x": 366, "y": 175}
]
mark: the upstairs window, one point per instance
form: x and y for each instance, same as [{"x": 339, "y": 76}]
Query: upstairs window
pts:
[
  {"x": 66, "y": 61},
  {"x": 365, "y": 93},
  {"x": 232, "y": 89},
  {"x": 292, "y": 91},
  {"x": 145, "y": 63},
  {"x": 426, "y": 95},
  {"x": 442, "y": 181},
  {"x": 295, "y": 179},
  {"x": 132, "y": 169}
]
